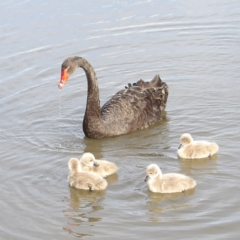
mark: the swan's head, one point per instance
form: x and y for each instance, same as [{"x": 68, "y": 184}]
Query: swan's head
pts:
[
  {"x": 185, "y": 140},
  {"x": 73, "y": 164},
  {"x": 69, "y": 65},
  {"x": 88, "y": 160},
  {"x": 152, "y": 171}
]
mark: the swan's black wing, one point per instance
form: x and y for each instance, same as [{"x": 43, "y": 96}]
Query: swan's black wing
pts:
[
  {"x": 136, "y": 107},
  {"x": 156, "y": 82}
]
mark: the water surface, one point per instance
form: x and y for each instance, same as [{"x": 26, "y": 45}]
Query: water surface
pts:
[{"x": 194, "y": 46}]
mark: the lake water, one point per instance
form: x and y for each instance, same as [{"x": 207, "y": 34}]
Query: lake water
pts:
[{"x": 193, "y": 45}]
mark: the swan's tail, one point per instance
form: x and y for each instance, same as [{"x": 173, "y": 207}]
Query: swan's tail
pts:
[
  {"x": 159, "y": 84},
  {"x": 213, "y": 148},
  {"x": 160, "y": 87},
  {"x": 156, "y": 86}
]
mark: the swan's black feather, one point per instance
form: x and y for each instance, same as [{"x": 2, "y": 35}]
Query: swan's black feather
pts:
[{"x": 136, "y": 107}]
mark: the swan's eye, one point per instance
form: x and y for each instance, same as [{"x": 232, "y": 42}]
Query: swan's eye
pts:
[{"x": 65, "y": 67}]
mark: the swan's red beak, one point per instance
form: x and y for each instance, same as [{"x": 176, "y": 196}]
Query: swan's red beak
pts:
[{"x": 64, "y": 78}]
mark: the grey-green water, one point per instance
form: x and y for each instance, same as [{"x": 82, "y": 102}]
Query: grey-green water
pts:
[{"x": 194, "y": 46}]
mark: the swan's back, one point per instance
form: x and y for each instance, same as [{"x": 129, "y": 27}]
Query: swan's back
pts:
[
  {"x": 136, "y": 107},
  {"x": 87, "y": 181},
  {"x": 204, "y": 149},
  {"x": 174, "y": 182},
  {"x": 105, "y": 168},
  {"x": 213, "y": 147}
]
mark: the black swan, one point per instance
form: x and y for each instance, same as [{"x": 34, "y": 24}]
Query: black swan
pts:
[{"x": 136, "y": 107}]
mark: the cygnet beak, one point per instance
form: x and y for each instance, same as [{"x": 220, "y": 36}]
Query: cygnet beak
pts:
[
  {"x": 146, "y": 178},
  {"x": 64, "y": 78},
  {"x": 95, "y": 164},
  {"x": 180, "y": 146}
]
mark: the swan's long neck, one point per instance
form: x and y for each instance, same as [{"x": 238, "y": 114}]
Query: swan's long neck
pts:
[{"x": 92, "y": 113}]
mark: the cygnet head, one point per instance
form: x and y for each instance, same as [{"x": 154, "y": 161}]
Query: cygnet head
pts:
[
  {"x": 152, "y": 171},
  {"x": 73, "y": 164},
  {"x": 88, "y": 160},
  {"x": 185, "y": 140}
]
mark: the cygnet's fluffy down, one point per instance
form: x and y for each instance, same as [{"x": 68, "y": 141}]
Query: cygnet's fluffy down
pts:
[
  {"x": 191, "y": 149},
  {"x": 84, "y": 180},
  {"x": 167, "y": 183},
  {"x": 88, "y": 163}
]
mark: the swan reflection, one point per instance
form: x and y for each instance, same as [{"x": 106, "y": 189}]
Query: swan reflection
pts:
[
  {"x": 83, "y": 199},
  {"x": 83, "y": 208},
  {"x": 174, "y": 201},
  {"x": 189, "y": 166}
]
